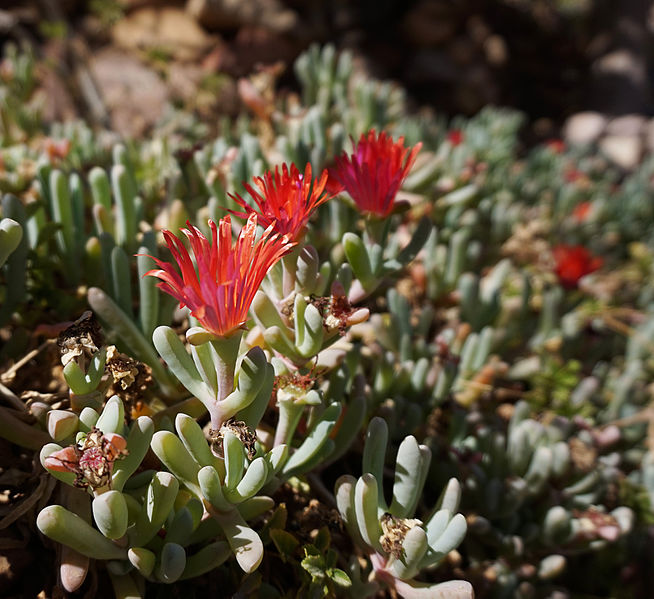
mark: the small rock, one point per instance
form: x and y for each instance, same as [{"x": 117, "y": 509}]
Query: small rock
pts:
[
  {"x": 184, "y": 80},
  {"x": 133, "y": 93},
  {"x": 128, "y": 5},
  {"x": 551, "y": 566},
  {"x": 462, "y": 51},
  {"x": 259, "y": 45},
  {"x": 629, "y": 124},
  {"x": 230, "y": 14},
  {"x": 169, "y": 30},
  {"x": 13, "y": 567},
  {"x": 623, "y": 150},
  {"x": 431, "y": 65},
  {"x": 58, "y": 104},
  {"x": 649, "y": 135},
  {"x": 584, "y": 127},
  {"x": 430, "y": 23},
  {"x": 477, "y": 29},
  {"x": 621, "y": 63},
  {"x": 497, "y": 52}
]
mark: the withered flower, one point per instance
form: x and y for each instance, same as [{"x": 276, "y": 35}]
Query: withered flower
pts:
[
  {"x": 91, "y": 459},
  {"x": 238, "y": 428},
  {"x": 131, "y": 380},
  {"x": 81, "y": 339},
  {"x": 394, "y": 530},
  {"x": 337, "y": 312}
]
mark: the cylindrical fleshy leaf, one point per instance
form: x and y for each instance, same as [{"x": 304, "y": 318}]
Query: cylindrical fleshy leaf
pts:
[
  {"x": 314, "y": 441},
  {"x": 410, "y": 471},
  {"x": 254, "y": 478},
  {"x": 244, "y": 541},
  {"x": 178, "y": 460},
  {"x": 158, "y": 504},
  {"x": 61, "y": 424},
  {"x": 365, "y": 509},
  {"x": 212, "y": 489},
  {"x": 69, "y": 529},
  {"x": 234, "y": 459},
  {"x": 414, "y": 547},
  {"x": 110, "y": 514},
  {"x": 206, "y": 559},
  {"x": 10, "y": 235},
  {"x": 142, "y": 559},
  {"x": 73, "y": 569},
  {"x": 138, "y": 442},
  {"x": 112, "y": 418},
  {"x": 172, "y": 564},
  {"x": 194, "y": 440}
]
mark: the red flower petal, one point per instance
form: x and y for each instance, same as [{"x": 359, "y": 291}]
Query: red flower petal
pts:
[
  {"x": 220, "y": 292},
  {"x": 374, "y": 173},
  {"x": 285, "y": 200},
  {"x": 572, "y": 262}
]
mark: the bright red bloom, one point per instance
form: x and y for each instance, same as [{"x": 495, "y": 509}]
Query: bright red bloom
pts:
[
  {"x": 455, "y": 137},
  {"x": 572, "y": 175},
  {"x": 333, "y": 186},
  {"x": 374, "y": 173},
  {"x": 573, "y": 262},
  {"x": 581, "y": 211},
  {"x": 220, "y": 293},
  {"x": 555, "y": 145},
  {"x": 285, "y": 201}
]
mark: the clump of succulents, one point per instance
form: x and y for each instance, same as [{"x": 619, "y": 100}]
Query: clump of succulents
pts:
[{"x": 420, "y": 291}]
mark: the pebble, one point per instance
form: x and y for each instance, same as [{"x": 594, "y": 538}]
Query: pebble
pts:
[
  {"x": 584, "y": 127},
  {"x": 649, "y": 135},
  {"x": 629, "y": 124},
  {"x": 623, "y": 150}
]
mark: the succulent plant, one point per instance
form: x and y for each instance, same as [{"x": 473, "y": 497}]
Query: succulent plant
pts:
[
  {"x": 477, "y": 301},
  {"x": 398, "y": 545}
]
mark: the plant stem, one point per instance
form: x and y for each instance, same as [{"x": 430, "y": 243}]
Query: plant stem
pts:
[
  {"x": 289, "y": 416},
  {"x": 226, "y": 349},
  {"x": 289, "y": 269}
]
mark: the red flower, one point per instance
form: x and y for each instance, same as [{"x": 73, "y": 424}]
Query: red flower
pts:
[
  {"x": 56, "y": 149},
  {"x": 572, "y": 175},
  {"x": 374, "y": 173},
  {"x": 555, "y": 145},
  {"x": 285, "y": 201},
  {"x": 581, "y": 211},
  {"x": 455, "y": 137},
  {"x": 573, "y": 262},
  {"x": 220, "y": 293},
  {"x": 333, "y": 186}
]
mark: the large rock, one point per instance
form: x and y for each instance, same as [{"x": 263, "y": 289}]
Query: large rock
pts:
[{"x": 584, "y": 127}]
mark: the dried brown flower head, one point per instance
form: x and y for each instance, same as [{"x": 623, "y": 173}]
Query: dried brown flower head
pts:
[
  {"x": 294, "y": 383},
  {"x": 594, "y": 524},
  {"x": 394, "y": 530},
  {"x": 91, "y": 459},
  {"x": 582, "y": 455},
  {"x": 81, "y": 339},
  {"x": 131, "y": 378},
  {"x": 237, "y": 427},
  {"x": 337, "y": 312}
]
